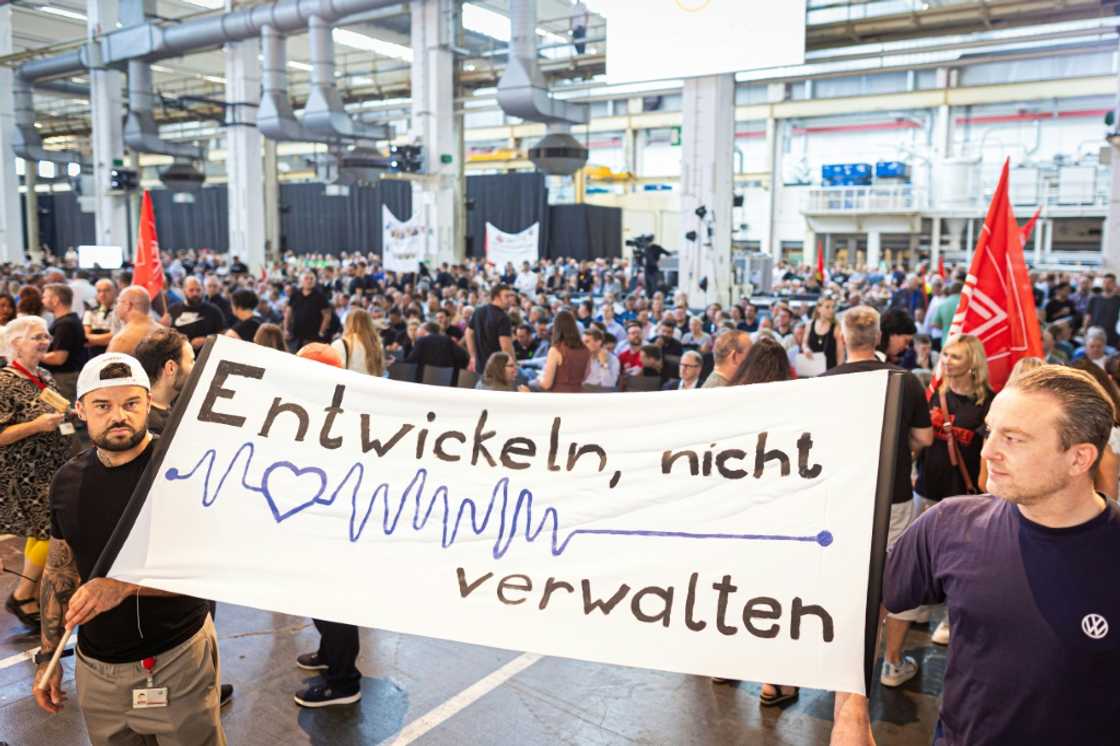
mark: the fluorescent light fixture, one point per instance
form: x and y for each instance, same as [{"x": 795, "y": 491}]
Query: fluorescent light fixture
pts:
[
  {"x": 211, "y": 4},
  {"x": 214, "y": 79},
  {"x": 299, "y": 65},
  {"x": 486, "y": 22},
  {"x": 63, "y": 13},
  {"x": 161, "y": 69},
  {"x": 354, "y": 40}
]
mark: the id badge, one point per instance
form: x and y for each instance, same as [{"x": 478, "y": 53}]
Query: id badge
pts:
[
  {"x": 66, "y": 428},
  {"x": 151, "y": 697},
  {"x": 54, "y": 400}
]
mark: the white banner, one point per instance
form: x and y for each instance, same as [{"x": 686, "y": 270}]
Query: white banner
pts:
[
  {"x": 723, "y": 532},
  {"x": 502, "y": 247},
  {"x": 692, "y": 38},
  {"x": 402, "y": 243}
]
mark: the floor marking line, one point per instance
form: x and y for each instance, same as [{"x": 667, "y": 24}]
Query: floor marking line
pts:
[
  {"x": 26, "y": 655},
  {"x": 463, "y": 699}
]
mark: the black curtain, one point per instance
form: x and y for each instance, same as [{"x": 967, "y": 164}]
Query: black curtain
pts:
[
  {"x": 312, "y": 222},
  {"x": 584, "y": 232},
  {"x": 62, "y": 224},
  {"x": 511, "y": 202},
  {"x": 202, "y": 224}
]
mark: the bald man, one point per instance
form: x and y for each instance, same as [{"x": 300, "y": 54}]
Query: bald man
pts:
[
  {"x": 194, "y": 317},
  {"x": 134, "y": 309}
]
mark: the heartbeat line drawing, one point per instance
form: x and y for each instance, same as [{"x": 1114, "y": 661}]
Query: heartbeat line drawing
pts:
[{"x": 507, "y": 518}]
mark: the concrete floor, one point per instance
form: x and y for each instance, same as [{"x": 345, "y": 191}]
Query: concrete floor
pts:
[{"x": 552, "y": 701}]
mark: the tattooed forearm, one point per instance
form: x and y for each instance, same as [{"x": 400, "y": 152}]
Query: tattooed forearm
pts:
[{"x": 60, "y": 580}]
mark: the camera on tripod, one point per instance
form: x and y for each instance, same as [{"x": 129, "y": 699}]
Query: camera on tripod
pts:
[{"x": 640, "y": 244}]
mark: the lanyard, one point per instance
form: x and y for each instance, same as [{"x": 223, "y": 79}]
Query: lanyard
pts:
[{"x": 39, "y": 382}]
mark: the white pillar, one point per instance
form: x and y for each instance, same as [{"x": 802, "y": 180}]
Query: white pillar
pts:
[
  {"x": 438, "y": 127},
  {"x": 770, "y": 240},
  {"x": 1111, "y": 248},
  {"x": 243, "y": 152},
  {"x": 106, "y": 112},
  {"x": 874, "y": 250},
  {"x": 707, "y": 181},
  {"x": 31, "y": 208},
  {"x": 809, "y": 250},
  {"x": 1048, "y": 247},
  {"x": 271, "y": 200},
  {"x": 11, "y": 224},
  {"x": 935, "y": 242}
]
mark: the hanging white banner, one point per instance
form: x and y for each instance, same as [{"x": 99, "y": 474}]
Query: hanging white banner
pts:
[
  {"x": 725, "y": 532},
  {"x": 402, "y": 242},
  {"x": 502, "y": 247}
]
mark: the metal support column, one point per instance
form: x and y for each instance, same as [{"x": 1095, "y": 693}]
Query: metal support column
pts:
[
  {"x": 271, "y": 201},
  {"x": 707, "y": 188},
  {"x": 770, "y": 240},
  {"x": 438, "y": 127},
  {"x": 243, "y": 152},
  {"x": 11, "y": 225},
  {"x": 31, "y": 208},
  {"x": 935, "y": 242},
  {"x": 106, "y": 115}
]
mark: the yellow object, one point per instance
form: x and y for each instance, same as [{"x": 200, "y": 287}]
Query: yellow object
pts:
[
  {"x": 35, "y": 551},
  {"x": 502, "y": 154}
]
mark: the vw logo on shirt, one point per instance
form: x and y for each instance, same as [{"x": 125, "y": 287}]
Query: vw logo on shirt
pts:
[{"x": 1094, "y": 626}]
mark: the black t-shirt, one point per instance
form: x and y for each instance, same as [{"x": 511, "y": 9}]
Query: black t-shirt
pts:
[
  {"x": 937, "y": 477},
  {"x": 87, "y": 500},
  {"x": 200, "y": 320},
  {"x": 307, "y": 313},
  {"x": 222, "y": 304},
  {"x": 1104, "y": 311},
  {"x": 489, "y": 323},
  {"x": 1033, "y": 660},
  {"x": 67, "y": 333},
  {"x": 1060, "y": 309},
  {"x": 157, "y": 419},
  {"x": 914, "y": 414},
  {"x": 247, "y": 328}
]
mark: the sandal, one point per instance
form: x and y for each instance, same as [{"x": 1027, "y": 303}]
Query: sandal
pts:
[
  {"x": 781, "y": 698},
  {"x": 14, "y": 606}
]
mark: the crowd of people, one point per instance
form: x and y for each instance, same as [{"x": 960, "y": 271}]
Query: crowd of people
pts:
[{"x": 94, "y": 359}]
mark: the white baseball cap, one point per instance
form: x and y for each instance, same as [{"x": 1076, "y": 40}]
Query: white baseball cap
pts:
[{"x": 91, "y": 378}]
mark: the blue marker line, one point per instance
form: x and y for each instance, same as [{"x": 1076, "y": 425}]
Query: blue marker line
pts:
[{"x": 520, "y": 522}]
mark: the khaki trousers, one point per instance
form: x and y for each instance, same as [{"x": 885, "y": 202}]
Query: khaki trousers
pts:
[{"x": 190, "y": 672}]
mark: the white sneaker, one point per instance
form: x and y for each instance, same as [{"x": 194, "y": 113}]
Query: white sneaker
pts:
[
  {"x": 893, "y": 675},
  {"x": 940, "y": 635}
]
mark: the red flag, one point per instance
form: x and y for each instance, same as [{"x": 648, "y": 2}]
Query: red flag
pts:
[
  {"x": 820, "y": 263},
  {"x": 147, "y": 270},
  {"x": 1028, "y": 229},
  {"x": 941, "y": 267},
  {"x": 997, "y": 303}
]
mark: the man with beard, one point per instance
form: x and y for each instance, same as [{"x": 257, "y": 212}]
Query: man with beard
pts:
[
  {"x": 1031, "y": 657},
  {"x": 168, "y": 359},
  {"x": 196, "y": 318},
  {"x": 132, "y": 641},
  {"x": 307, "y": 316}
]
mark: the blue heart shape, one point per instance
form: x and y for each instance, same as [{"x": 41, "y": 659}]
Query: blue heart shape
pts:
[{"x": 297, "y": 472}]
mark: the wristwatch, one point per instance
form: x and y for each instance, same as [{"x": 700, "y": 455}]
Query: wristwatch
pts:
[{"x": 42, "y": 657}]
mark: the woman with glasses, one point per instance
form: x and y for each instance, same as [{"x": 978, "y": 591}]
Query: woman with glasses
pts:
[
  {"x": 500, "y": 374},
  {"x": 32, "y": 449}
]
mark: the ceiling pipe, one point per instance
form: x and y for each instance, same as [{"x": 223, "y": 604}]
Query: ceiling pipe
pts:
[
  {"x": 152, "y": 42},
  {"x": 27, "y": 143},
  {"x": 275, "y": 118},
  {"x": 522, "y": 89},
  {"x": 63, "y": 88},
  {"x": 141, "y": 133},
  {"x": 324, "y": 112}
]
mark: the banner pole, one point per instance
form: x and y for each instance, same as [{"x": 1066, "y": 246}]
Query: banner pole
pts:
[{"x": 884, "y": 488}]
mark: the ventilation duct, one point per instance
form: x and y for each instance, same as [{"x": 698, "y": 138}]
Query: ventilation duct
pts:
[
  {"x": 141, "y": 133},
  {"x": 324, "y": 112},
  {"x": 27, "y": 143},
  {"x": 523, "y": 92},
  {"x": 275, "y": 118}
]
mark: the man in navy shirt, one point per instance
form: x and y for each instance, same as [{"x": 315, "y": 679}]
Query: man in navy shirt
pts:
[{"x": 1036, "y": 623}]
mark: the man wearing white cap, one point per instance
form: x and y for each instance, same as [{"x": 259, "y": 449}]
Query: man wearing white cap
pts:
[{"x": 147, "y": 660}]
